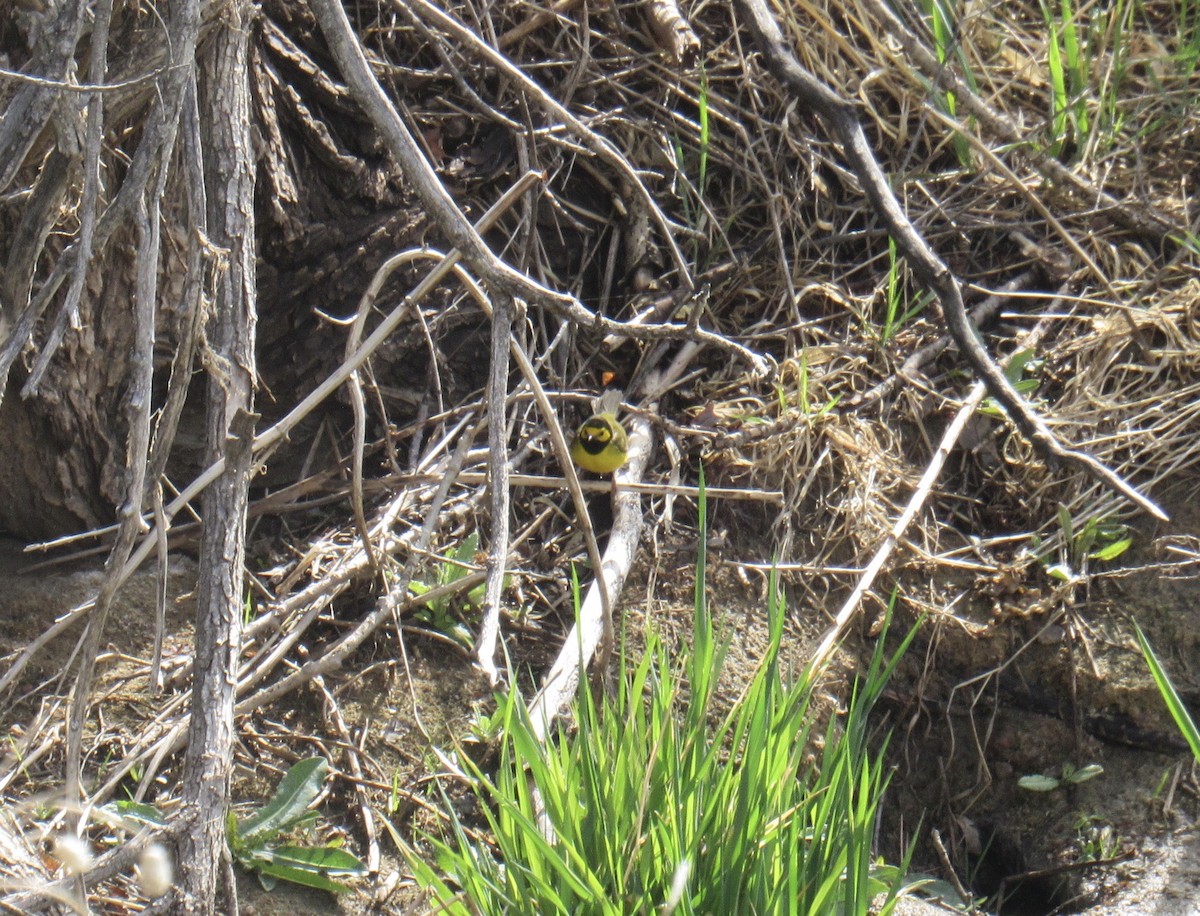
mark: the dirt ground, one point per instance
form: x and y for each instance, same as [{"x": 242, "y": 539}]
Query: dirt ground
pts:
[{"x": 1006, "y": 687}]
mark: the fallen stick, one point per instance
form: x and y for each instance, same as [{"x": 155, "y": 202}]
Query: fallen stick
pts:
[{"x": 558, "y": 689}]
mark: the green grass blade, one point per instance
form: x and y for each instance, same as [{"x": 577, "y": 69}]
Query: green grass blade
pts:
[{"x": 1175, "y": 707}]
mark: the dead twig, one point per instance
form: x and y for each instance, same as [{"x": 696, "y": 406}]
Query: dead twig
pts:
[
  {"x": 846, "y": 613},
  {"x": 498, "y": 489},
  {"x": 354, "y": 752},
  {"x": 843, "y": 119}
]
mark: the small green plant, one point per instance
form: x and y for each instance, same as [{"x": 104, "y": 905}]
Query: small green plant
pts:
[
  {"x": 137, "y": 813},
  {"x": 1021, "y": 362},
  {"x": 898, "y": 310},
  {"x": 1068, "y": 76},
  {"x": 943, "y": 24},
  {"x": 253, "y": 842},
  {"x": 660, "y": 801},
  {"x": 254, "y": 845},
  {"x": 445, "y": 614},
  {"x": 484, "y": 727},
  {"x": 1097, "y": 839},
  {"x": 1071, "y": 776},
  {"x": 1099, "y": 540},
  {"x": 394, "y": 796},
  {"x": 783, "y": 393}
]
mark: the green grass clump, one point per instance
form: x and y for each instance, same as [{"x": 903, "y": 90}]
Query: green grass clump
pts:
[{"x": 657, "y": 803}]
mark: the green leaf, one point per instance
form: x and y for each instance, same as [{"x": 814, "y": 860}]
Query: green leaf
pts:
[
  {"x": 1087, "y": 537},
  {"x": 1183, "y": 719},
  {"x": 299, "y": 787},
  {"x": 1017, "y": 364},
  {"x": 460, "y": 633},
  {"x": 1083, "y": 774},
  {"x": 1064, "y": 522},
  {"x": 266, "y": 871},
  {"x": 1038, "y": 783},
  {"x": 830, "y": 404},
  {"x": 232, "y": 835},
  {"x": 1059, "y": 571},
  {"x": 139, "y": 812},
  {"x": 463, "y": 553},
  {"x": 1111, "y": 551},
  {"x": 935, "y": 889},
  {"x": 326, "y": 860}
]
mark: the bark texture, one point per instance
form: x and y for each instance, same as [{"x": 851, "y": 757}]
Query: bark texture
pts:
[
  {"x": 229, "y": 178},
  {"x": 331, "y": 207}
]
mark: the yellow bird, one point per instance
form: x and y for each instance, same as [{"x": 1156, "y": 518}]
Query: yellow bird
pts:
[{"x": 601, "y": 445}]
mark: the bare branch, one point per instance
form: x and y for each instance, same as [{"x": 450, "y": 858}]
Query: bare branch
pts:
[{"x": 925, "y": 264}]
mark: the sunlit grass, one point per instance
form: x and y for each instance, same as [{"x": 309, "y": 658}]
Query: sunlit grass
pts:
[
  {"x": 942, "y": 19},
  {"x": 900, "y": 307},
  {"x": 1183, "y": 719},
  {"x": 662, "y": 802}
]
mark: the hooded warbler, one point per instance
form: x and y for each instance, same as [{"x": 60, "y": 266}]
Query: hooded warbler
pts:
[{"x": 601, "y": 445}]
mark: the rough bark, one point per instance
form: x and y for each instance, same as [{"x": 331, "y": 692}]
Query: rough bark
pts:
[
  {"x": 229, "y": 178},
  {"x": 331, "y": 208}
]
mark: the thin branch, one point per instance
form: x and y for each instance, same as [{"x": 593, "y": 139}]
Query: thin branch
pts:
[
  {"x": 926, "y": 265},
  {"x": 445, "y": 212},
  {"x": 95, "y": 87},
  {"x": 498, "y": 489},
  {"x": 932, "y": 471}
]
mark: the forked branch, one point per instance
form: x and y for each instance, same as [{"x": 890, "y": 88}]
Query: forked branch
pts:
[{"x": 840, "y": 115}]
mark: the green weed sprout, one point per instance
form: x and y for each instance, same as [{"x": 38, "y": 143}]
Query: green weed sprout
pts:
[{"x": 253, "y": 842}]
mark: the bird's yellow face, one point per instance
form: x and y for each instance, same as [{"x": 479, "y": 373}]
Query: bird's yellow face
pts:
[{"x": 600, "y": 445}]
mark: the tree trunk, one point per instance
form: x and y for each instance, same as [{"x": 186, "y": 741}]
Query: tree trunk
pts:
[
  {"x": 330, "y": 207},
  {"x": 229, "y": 180}
]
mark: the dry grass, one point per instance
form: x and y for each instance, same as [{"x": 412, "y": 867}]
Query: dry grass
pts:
[{"x": 796, "y": 267}]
